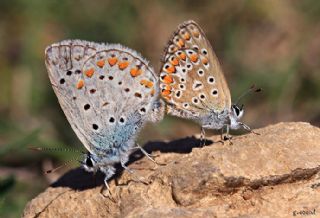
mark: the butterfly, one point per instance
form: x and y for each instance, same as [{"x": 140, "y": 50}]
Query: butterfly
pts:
[
  {"x": 107, "y": 93},
  {"x": 193, "y": 84}
]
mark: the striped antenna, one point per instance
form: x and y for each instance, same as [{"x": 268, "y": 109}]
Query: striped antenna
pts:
[
  {"x": 251, "y": 89},
  {"x": 61, "y": 166},
  {"x": 55, "y": 149},
  {"x": 59, "y": 150}
]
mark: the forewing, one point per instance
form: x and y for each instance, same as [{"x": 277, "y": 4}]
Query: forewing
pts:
[
  {"x": 191, "y": 79},
  {"x": 106, "y": 91}
]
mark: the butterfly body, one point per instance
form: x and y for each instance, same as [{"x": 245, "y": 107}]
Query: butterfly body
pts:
[
  {"x": 107, "y": 92},
  {"x": 192, "y": 82}
]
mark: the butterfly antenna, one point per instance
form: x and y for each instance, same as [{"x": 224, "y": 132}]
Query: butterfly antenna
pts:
[
  {"x": 59, "y": 149},
  {"x": 62, "y": 165},
  {"x": 251, "y": 89},
  {"x": 55, "y": 149}
]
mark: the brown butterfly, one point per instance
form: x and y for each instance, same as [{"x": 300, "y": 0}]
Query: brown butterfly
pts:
[{"x": 193, "y": 84}]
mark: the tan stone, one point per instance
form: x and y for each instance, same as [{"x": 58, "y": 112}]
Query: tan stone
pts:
[{"x": 275, "y": 174}]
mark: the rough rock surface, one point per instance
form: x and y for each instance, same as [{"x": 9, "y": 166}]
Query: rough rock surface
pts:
[{"x": 275, "y": 174}]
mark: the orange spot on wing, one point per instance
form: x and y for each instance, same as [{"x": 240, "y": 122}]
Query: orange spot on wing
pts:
[
  {"x": 167, "y": 79},
  {"x": 146, "y": 83},
  {"x": 112, "y": 61},
  {"x": 194, "y": 57},
  {"x": 89, "y": 72},
  {"x": 174, "y": 61},
  {"x": 167, "y": 87},
  {"x": 186, "y": 36},
  {"x": 165, "y": 92},
  {"x": 170, "y": 69},
  {"x": 100, "y": 63},
  {"x": 152, "y": 92},
  {"x": 183, "y": 56},
  {"x": 135, "y": 72},
  {"x": 196, "y": 33},
  {"x": 180, "y": 43},
  {"x": 149, "y": 84},
  {"x": 205, "y": 60},
  {"x": 123, "y": 65},
  {"x": 80, "y": 84}
]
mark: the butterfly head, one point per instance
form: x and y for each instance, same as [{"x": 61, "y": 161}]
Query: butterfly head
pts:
[
  {"x": 89, "y": 164},
  {"x": 235, "y": 116}
]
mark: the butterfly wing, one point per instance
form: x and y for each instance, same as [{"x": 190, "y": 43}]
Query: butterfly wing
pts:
[
  {"x": 191, "y": 79},
  {"x": 106, "y": 91}
]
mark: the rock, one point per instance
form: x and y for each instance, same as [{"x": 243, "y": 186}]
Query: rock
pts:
[{"x": 274, "y": 174}]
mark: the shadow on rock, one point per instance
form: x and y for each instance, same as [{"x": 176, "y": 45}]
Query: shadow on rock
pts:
[{"x": 79, "y": 179}]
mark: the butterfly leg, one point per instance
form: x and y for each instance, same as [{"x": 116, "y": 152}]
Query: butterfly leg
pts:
[
  {"x": 122, "y": 162},
  {"x": 202, "y": 137},
  {"x": 149, "y": 156},
  {"x": 108, "y": 172},
  {"x": 227, "y": 136},
  {"x": 246, "y": 127}
]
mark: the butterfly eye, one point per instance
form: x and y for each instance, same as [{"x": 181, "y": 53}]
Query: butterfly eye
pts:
[
  {"x": 69, "y": 72},
  {"x": 204, "y": 51},
  {"x": 183, "y": 70},
  {"x": 214, "y": 92},
  {"x": 89, "y": 162},
  {"x": 62, "y": 81},
  {"x": 77, "y": 71},
  {"x": 211, "y": 80},
  {"x": 189, "y": 66},
  {"x": 200, "y": 72},
  {"x": 92, "y": 91},
  {"x": 190, "y": 52},
  {"x": 237, "y": 110},
  {"x": 101, "y": 77}
]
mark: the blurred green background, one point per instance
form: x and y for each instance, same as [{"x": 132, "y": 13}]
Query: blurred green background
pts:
[{"x": 274, "y": 44}]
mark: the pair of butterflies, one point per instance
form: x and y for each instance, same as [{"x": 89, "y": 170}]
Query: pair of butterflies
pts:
[{"x": 108, "y": 92}]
